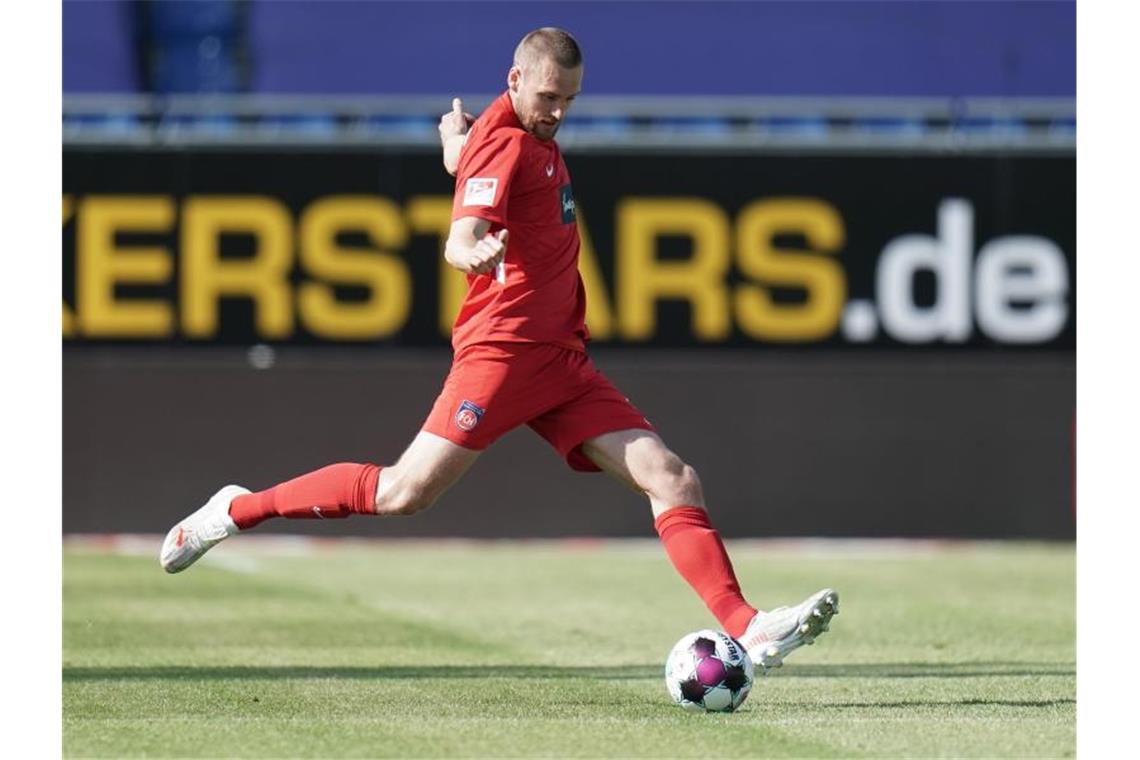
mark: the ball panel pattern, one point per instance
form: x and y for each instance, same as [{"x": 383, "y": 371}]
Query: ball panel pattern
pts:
[{"x": 708, "y": 671}]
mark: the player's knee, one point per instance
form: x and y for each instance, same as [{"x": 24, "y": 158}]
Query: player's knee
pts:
[
  {"x": 677, "y": 482},
  {"x": 689, "y": 484}
]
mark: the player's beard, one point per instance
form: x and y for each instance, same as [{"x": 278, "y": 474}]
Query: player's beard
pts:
[{"x": 545, "y": 131}]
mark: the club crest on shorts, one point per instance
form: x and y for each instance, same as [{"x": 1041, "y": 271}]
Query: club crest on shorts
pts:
[{"x": 468, "y": 416}]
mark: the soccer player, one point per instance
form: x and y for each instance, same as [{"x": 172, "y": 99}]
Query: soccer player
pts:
[{"x": 520, "y": 358}]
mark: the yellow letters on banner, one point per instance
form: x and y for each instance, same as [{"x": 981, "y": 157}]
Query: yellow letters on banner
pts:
[
  {"x": 207, "y": 277},
  {"x": 643, "y": 279},
  {"x": 101, "y": 264},
  {"x": 759, "y": 259},
  {"x": 378, "y": 269}
]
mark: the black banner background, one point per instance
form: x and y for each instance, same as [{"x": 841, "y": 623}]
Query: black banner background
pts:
[{"x": 877, "y": 197}]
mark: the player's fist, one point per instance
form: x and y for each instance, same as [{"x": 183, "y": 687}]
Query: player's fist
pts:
[
  {"x": 455, "y": 122},
  {"x": 488, "y": 253}
]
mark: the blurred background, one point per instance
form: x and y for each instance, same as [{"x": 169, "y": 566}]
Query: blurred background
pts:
[{"x": 829, "y": 249}]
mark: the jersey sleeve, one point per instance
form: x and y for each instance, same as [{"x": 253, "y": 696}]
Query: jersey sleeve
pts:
[{"x": 483, "y": 180}]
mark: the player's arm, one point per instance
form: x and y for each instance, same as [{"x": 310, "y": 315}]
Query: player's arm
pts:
[
  {"x": 471, "y": 249},
  {"x": 453, "y": 127}
]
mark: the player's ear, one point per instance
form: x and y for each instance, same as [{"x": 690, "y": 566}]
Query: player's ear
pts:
[{"x": 513, "y": 77}]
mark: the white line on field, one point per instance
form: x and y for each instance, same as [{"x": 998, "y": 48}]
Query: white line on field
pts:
[{"x": 286, "y": 545}]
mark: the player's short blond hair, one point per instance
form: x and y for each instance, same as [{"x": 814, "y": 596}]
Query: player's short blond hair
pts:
[{"x": 548, "y": 42}]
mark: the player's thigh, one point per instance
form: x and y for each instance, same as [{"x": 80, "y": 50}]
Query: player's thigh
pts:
[
  {"x": 427, "y": 468},
  {"x": 593, "y": 407}
]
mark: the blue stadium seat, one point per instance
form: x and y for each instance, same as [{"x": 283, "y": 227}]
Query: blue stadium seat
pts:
[
  {"x": 810, "y": 127},
  {"x": 401, "y": 125},
  {"x": 890, "y": 127},
  {"x": 108, "y": 124},
  {"x": 1063, "y": 128},
  {"x": 989, "y": 125},
  {"x": 704, "y": 126},
  {"x": 596, "y": 126},
  {"x": 301, "y": 125},
  {"x": 195, "y": 45}
]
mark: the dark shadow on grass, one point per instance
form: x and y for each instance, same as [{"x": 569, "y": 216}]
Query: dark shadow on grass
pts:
[
  {"x": 380, "y": 672},
  {"x": 952, "y": 703},
  {"x": 541, "y": 672},
  {"x": 926, "y": 670}
]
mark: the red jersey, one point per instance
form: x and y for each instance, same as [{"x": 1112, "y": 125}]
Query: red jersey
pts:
[{"x": 514, "y": 180}]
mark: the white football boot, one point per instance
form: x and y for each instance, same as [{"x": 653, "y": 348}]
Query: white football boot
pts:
[
  {"x": 771, "y": 636},
  {"x": 194, "y": 535}
]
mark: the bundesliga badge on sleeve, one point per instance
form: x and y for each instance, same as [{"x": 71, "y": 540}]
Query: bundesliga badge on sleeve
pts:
[{"x": 480, "y": 191}]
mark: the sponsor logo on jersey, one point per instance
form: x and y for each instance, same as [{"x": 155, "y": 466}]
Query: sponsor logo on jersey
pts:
[
  {"x": 480, "y": 191},
  {"x": 568, "y": 206},
  {"x": 468, "y": 416},
  {"x": 550, "y": 170}
]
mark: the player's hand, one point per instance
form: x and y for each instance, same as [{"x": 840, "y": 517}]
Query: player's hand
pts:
[
  {"x": 487, "y": 253},
  {"x": 455, "y": 122}
]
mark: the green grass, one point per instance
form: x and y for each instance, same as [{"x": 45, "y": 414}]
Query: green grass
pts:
[{"x": 409, "y": 650}]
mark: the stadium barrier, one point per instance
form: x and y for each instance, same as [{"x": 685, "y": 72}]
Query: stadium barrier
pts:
[{"x": 841, "y": 345}]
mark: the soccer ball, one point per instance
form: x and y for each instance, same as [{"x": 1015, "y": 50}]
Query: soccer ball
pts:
[{"x": 708, "y": 671}]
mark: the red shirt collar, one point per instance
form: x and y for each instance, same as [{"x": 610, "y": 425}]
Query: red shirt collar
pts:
[{"x": 503, "y": 111}]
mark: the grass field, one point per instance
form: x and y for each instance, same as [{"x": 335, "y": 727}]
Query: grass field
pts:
[{"x": 265, "y": 649}]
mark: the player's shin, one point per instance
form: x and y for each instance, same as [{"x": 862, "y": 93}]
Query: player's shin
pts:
[
  {"x": 331, "y": 492},
  {"x": 696, "y": 550}
]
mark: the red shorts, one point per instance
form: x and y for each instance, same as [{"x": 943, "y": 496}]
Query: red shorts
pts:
[{"x": 495, "y": 387}]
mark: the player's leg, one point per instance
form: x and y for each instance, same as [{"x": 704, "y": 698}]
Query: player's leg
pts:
[
  {"x": 427, "y": 468},
  {"x": 424, "y": 472},
  {"x": 597, "y": 428},
  {"x": 640, "y": 459},
  {"x": 486, "y": 380}
]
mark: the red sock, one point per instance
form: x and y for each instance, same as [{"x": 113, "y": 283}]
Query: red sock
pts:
[
  {"x": 695, "y": 549},
  {"x": 330, "y": 492}
]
